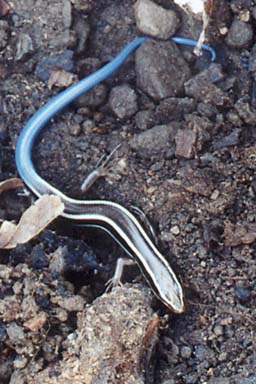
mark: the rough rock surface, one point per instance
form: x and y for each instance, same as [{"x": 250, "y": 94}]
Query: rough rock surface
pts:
[
  {"x": 114, "y": 342},
  {"x": 161, "y": 70},
  {"x": 123, "y": 101},
  {"x": 154, "y": 20}
]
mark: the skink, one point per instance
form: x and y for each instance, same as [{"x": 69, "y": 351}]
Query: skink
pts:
[{"x": 110, "y": 216}]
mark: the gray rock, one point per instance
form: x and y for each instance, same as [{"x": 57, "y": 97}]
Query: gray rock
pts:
[
  {"x": 49, "y": 63},
  {"x": 82, "y": 28},
  {"x": 15, "y": 332},
  {"x": 239, "y": 35},
  {"x": 24, "y": 46},
  {"x": 186, "y": 352},
  {"x": 207, "y": 110},
  {"x": 203, "y": 353},
  {"x": 160, "y": 69},
  {"x": 243, "y": 294},
  {"x": 185, "y": 140},
  {"x": 252, "y": 60},
  {"x": 154, "y": 139},
  {"x": 245, "y": 111},
  {"x": 4, "y": 31},
  {"x": 173, "y": 109},
  {"x": 123, "y": 101},
  {"x": 94, "y": 98},
  {"x": 115, "y": 341},
  {"x": 154, "y": 20},
  {"x": 202, "y": 87},
  {"x": 254, "y": 12},
  {"x": 191, "y": 378},
  {"x": 144, "y": 120}
]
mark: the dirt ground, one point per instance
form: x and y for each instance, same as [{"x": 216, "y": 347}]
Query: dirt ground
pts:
[{"x": 193, "y": 176}]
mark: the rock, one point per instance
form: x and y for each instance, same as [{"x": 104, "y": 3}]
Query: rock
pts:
[
  {"x": 153, "y": 140},
  {"x": 39, "y": 258},
  {"x": 4, "y": 32},
  {"x": 239, "y": 35},
  {"x": 201, "y": 86},
  {"x": 252, "y": 60},
  {"x": 173, "y": 108},
  {"x": 245, "y": 111},
  {"x": 175, "y": 230},
  {"x": 73, "y": 303},
  {"x": 185, "y": 140},
  {"x": 243, "y": 294},
  {"x": 3, "y": 132},
  {"x": 88, "y": 125},
  {"x": 15, "y": 333},
  {"x": 93, "y": 98},
  {"x": 114, "y": 343},
  {"x": 207, "y": 110},
  {"x": 123, "y": 101},
  {"x": 227, "y": 141},
  {"x": 205, "y": 91},
  {"x": 254, "y": 12},
  {"x": 218, "y": 330},
  {"x": 4, "y": 8},
  {"x": 154, "y": 20},
  {"x": 24, "y": 46},
  {"x": 6, "y": 367},
  {"x": 36, "y": 323},
  {"x": 49, "y": 63},
  {"x": 75, "y": 129},
  {"x": 204, "y": 353},
  {"x": 82, "y": 28},
  {"x": 3, "y": 334},
  {"x": 186, "y": 352},
  {"x": 161, "y": 70},
  {"x": 144, "y": 119}
]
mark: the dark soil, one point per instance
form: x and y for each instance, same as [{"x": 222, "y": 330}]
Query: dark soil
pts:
[{"x": 192, "y": 197}]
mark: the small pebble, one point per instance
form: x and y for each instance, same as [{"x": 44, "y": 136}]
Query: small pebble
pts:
[
  {"x": 3, "y": 333},
  {"x": 39, "y": 258},
  {"x": 186, "y": 352},
  {"x": 123, "y": 101},
  {"x": 20, "y": 362},
  {"x": 218, "y": 330},
  {"x": 154, "y": 20},
  {"x": 4, "y": 33},
  {"x": 15, "y": 332},
  {"x": 75, "y": 129},
  {"x": 185, "y": 140},
  {"x": 93, "y": 98},
  {"x": 87, "y": 126},
  {"x": 24, "y": 46},
  {"x": 222, "y": 356},
  {"x": 144, "y": 119},
  {"x": 175, "y": 230},
  {"x": 48, "y": 63},
  {"x": 239, "y": 35},
  {"x": 243, "y": 294}
]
